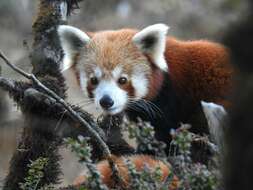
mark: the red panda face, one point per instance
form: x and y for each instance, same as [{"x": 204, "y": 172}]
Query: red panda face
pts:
[
  {"x": 115, "y": 67},
  {"x": 113, "y": 89}
]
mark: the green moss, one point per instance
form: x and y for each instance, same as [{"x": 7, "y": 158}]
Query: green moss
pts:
[{"x": 35, "y": 174}]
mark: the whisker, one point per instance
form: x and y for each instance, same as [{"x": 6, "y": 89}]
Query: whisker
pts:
[
  {"x": 139, "y": 107},
  {"x": 146, "y": 106},
  {"x": 133, "y": 108},
  {"x": 86, "y": 100},
  {"x": 86, "y": 104},
  {"x": 155, "y": 107}
]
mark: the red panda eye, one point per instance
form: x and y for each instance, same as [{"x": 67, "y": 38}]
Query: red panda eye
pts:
[
  {"x": 94, "y": 81},
  {"x": 122, "y": 80}
]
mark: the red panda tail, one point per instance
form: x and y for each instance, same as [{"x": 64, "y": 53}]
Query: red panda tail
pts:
[{"x": 139, "y": 161}]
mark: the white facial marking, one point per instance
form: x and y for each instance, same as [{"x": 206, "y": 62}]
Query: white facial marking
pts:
[
  {"x": 111, "y": 89},
  {"x": 152, "y": 40},
  {"x": 97, "y": 72},
  {"x": 117, "y": 72},
  {"x": 83, "y": 81},
  {"x": 140, "y": 84},
  {"x": 124, "y": 75}
]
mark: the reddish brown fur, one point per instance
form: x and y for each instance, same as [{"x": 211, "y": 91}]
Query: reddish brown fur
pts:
[
  {"x": 139, "y": 161},
  {"x": 113, "y": 48},
  {"x": 129, "y": 88},
  {"x": 156, "y": 79},
  {"x": 199, "y": 69}
]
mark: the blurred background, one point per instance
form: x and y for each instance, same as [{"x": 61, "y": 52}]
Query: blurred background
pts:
[{"x": 188, "y": 19}]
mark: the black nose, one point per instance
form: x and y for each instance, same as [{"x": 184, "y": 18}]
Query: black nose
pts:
[{"x": 106, "y": 102}]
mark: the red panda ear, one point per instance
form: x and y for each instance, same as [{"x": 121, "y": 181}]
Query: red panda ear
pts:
[
  {"x": 152, "y": 41},
  {"x": 73, "y": 42}
]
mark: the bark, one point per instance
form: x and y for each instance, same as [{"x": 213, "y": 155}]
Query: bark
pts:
[{"x": 3, "y": 104}]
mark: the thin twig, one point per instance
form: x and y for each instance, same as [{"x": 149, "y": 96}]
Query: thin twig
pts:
[{"x": 20, "y": 71}]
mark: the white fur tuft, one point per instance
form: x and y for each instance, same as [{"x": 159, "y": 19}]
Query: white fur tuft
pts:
[
  {"x": 152, "y": 40},
  {"x": 117, "y": 72},
  {"x": 72, "y": 41},
  {"x": 215, "y": 115}
]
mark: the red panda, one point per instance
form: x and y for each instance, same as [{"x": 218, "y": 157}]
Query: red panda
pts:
[
  {"x": 149, "y": 75},
  {"x": 139, "y": 161}
]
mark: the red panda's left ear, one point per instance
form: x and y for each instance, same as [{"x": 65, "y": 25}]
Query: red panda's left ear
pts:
[
  {"x": 73, "y": 41},
  {"x": 152, "y": 41}
]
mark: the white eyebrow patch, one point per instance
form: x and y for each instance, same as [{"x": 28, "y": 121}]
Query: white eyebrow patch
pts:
[
  {"x": 117, "y": 72},
  {"x": 97, "y": 72}
]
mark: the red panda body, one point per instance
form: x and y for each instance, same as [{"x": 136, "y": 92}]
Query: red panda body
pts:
[
  {"x": 200, "y": 70},
  {"x": 147, "y": 75},
  {"x": 139, "y": 162}
]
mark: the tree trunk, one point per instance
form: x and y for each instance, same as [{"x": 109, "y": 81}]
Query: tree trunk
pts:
[{"x": 38, "y": 136}]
